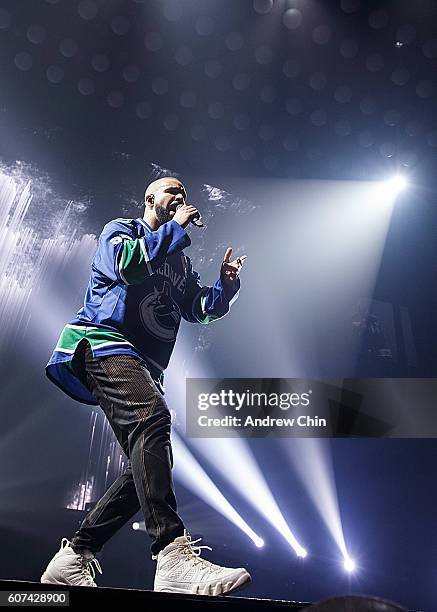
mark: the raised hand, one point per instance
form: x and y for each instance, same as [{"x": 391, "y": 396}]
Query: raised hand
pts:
[{"x": 230, "y": 270}]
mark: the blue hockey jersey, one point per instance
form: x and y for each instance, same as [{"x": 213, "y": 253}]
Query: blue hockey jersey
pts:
[{"x": 141, "y": 285}]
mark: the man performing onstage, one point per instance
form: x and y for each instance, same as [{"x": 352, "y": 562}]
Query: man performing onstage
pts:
[{"x": 114, "y": 354}]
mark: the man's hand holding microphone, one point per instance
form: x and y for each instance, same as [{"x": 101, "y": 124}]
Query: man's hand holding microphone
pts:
[{"x": 185, "y": 214}]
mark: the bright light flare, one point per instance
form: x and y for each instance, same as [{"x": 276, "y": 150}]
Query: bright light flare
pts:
[
  {"x": 135, "y": 526},
  {"x": 388, "y": 191},
  {"x": 397, "y": 184},
  {"x": 349, "y": 565}
]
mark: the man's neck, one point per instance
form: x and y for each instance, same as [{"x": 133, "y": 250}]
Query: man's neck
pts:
[{"x": 151, "y": 221}]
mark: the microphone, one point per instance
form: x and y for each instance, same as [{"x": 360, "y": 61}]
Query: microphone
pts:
[{"x": 197, "y": 221}]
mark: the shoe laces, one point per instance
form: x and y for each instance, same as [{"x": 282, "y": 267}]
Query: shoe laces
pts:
[
  {"x": 193, "y": 552},
  {"x": 88, "y": 567}
]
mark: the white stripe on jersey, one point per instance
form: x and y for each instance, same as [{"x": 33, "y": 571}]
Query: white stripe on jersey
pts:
[
  {"x": 145, "y": 254},
  {"x": 120, "y": 267},
  {"x": 82, "y": 327},
  {"x": 105, "y": 344}
]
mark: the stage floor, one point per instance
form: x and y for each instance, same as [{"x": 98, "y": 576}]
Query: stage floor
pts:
[{"x": 88, "y": 596}]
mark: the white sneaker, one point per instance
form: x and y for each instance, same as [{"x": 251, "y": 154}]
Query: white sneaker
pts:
[
  {"x": 69, "y": 567},
  {"x": 180, "y": 569}
]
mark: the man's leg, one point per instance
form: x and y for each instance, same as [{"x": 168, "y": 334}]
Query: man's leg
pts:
[
  {"x": 141, "y": 421},
  {"x": 112, "y": 511}
]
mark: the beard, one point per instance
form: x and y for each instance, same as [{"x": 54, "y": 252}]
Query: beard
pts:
[{"x": 162, "y": 214}]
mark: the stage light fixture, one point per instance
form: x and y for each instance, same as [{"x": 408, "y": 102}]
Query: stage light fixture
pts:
[{"x": 135, "y": 526}]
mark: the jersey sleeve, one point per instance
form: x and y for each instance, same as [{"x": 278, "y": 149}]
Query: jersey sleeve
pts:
[
  {"x": 129, "y": 260},
  {"x": 204, "y": 304}
]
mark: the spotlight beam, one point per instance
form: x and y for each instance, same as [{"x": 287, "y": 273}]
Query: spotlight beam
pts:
[
  {"x": 193, "y": 476},
  {"x": 255, "y": 490},
  {"x": 312, "y": 461}
]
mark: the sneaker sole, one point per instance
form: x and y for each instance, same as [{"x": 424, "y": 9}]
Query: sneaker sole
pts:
[
  {"x": 213, "y": 588},
  {"x": 47, "y": 579},
  {"x": 242, "y": 582}
]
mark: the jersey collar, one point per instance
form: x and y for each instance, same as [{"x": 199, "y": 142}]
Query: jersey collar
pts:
[{"x": 144, "y": 224}]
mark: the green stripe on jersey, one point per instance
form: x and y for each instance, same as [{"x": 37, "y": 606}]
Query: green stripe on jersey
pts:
[
  {"x": 199, "y": 309},
  {"x": 134, "y": 265},
  {"x": 97, "y": 337}
]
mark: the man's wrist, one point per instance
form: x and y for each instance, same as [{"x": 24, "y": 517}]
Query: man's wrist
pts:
[{"x": 230, "y": 286}]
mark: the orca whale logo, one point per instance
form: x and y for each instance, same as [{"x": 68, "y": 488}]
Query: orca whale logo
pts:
[{"x": 160, "y": 314}]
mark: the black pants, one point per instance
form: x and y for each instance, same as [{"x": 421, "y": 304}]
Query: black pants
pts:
[{"x": 141, "y": 421}]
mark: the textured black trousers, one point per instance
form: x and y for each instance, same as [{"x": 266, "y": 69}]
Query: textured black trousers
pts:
[{"x": 140, "y": 419}]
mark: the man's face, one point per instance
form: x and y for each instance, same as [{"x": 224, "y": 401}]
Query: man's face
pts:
[{"x": 168, "y": 196}]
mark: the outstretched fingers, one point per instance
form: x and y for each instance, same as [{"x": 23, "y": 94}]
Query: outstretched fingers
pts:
[{"x": 227, "y": 256}]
